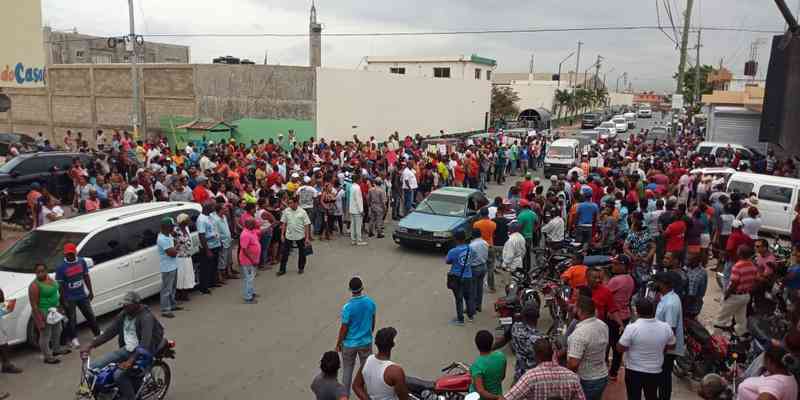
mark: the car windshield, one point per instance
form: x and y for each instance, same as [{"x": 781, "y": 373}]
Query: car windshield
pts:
[
  {"x": 7, "y": 167},
  {"x": 39, "y": 246},
  {"x": 557, "y": 151},
  {"x": 442, "y": 204},
  {"x": 619, "y": 120}
]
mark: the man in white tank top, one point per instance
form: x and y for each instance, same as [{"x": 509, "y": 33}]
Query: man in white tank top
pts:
[{"x": 380, "y": 378}]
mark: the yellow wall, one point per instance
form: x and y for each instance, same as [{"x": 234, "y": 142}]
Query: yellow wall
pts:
[{"x": 21, "y": 48}]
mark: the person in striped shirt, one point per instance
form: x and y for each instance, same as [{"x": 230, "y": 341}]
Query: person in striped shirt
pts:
[
  {"x": 547, "y": 380},
  {"x": 737, "y": 295}
]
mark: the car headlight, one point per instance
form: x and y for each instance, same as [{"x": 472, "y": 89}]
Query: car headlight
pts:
[
  {"x": 401, "y": 229},
  {"x": 444, "y": 234}
]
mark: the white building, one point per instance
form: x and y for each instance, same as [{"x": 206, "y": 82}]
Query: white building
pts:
[{"x": 461, "y": 67}]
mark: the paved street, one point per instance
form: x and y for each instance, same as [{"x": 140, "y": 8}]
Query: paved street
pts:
[{"x": 228, "y": 350}]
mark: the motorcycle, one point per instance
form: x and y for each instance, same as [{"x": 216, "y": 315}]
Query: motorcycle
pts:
[
  {"x": 453, "y": 385},
  {"x": 15, "y": 212},
  {"x": 520, "y": 292},
  {"x": 706, "y": 353},
  {"x": 151, "y": 377}
]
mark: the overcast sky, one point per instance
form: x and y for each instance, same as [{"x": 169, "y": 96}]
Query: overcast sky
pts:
[{"x": 649, "y": 57}]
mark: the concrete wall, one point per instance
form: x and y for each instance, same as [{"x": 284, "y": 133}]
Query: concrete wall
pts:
[
  {"x": 380, "y": 104},
  {"x": 255, "y": 91},
  {"x": 458, "y": 70},
  {"x": 615, "y": 99},
  {"x": 537, "y": 94},
  {"x": 86, "y": 98},
  {"x": 77, "y": 48}
]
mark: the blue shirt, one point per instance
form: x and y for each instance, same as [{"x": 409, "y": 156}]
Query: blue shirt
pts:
[
  {"x": 478, "y": 255},
  {"x": 358, "y": 314},
  {"x": 457, "y": 258},
  {"x": 205, "y": 226},
  {"x": 586, "y": 212},
  {"x": 71, "y": 276},
  {"x": 224, "y": 230},
  {"x": 669, "y": 310},
  {"x": 795, "y": 282},
  {"x": 167, "y": 263}
]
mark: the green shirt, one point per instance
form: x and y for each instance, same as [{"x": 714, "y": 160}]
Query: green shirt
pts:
[
  {"x": 514, "y": 152},
  {"x": 527, "y": 220},
  {"x": 492, "y": 368},
  {"x": 48, "y": 296}
]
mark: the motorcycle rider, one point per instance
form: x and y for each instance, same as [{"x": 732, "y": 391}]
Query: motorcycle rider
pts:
[{"x": 138, "y": 331}]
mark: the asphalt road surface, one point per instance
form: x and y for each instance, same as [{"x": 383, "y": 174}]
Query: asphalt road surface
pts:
[{"x": 229, "y": 350}]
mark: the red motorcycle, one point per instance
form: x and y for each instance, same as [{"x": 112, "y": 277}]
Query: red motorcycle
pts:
[{"x": 453, "y": 385}]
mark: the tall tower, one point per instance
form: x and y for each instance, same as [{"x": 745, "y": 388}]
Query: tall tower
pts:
[{"x": 315, "y": 39}]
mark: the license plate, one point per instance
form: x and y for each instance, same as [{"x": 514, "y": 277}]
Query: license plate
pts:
[{"x": 506, "y": 321}]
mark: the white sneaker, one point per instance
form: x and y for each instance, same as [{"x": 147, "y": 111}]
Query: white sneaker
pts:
[{"x": 76, "y": 344}]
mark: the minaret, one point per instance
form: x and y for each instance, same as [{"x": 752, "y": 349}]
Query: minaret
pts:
[{"x": 315, "y": 39}]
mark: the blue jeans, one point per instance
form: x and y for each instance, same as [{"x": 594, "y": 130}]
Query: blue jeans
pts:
[
  {"x": 593, "y": 389},
  {"x": 408, "y": 200},
  {"x": 121, "y": 377},
  {"x": 265, "y": 240},
  {"x": 168, "y": 282},
  {"x": 463, "y": 293},
  {"x": 248, "y": 277}
]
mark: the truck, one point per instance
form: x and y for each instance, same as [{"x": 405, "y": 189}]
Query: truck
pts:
[{"x": 735, "y": 125}]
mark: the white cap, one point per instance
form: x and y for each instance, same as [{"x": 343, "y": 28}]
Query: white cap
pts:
[
  {"x": 306, "y": 179},
  {"x": 295, "y": 175},
  {"x": 553, "y": 178}
]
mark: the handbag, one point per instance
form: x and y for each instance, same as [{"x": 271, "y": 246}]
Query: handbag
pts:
[
  {"x": 452, "y": 280},
  {"x": 308, "y": 250}
]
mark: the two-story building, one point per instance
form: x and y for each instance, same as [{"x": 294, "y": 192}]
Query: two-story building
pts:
[{"x": 458, "y": 67}]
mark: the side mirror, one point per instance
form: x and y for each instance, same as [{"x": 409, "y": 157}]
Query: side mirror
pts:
[{"x": 89, "y": 262}]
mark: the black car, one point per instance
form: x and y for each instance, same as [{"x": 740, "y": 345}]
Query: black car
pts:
[
  {"x": 590, "y": 120},
  {"x": 24, "y": 143},
  {"x": 49, "y": 169}
]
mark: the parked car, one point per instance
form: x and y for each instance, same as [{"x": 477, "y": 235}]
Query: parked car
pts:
[
  {"x": 644, "y": 112},
  {"x": 119, "y": 245},
  {"x": 631, "y": 118},
  {"x": 607, "y": 133},
  {"x": 609, "y": 125},
  {"x": 49, "y": 169},
  {"x": 590, "y": 120},
  {"x": 436, "y": 219},
  {"x": 620, "y": 123},
  {"x": 777, "y": 197},
  {"x": 24, "y": 143}
]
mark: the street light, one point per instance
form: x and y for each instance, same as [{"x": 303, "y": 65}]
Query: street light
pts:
[
  {"x": 559, "y": 67},
  {"x": 624, "y": 74}
]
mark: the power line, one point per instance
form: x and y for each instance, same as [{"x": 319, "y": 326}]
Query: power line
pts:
[{"x": 445, "y": 33}]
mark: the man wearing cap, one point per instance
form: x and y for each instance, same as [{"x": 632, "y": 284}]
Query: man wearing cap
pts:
[
  {"x": 168, "y": 263},
  {"x": 137, "y": 330},
  {"x": 306, "y": 195},
  {"x": 669, "y": 310},
  {"x": 355, "y": 332},
  {"x": 76, "y": 287}
]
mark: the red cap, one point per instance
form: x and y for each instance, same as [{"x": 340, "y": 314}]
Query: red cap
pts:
[
  {"x": 70, "y": 248},
  {"x": 524, "y": 203}
]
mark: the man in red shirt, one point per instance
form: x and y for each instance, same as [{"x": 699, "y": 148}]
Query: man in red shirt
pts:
[
  {"x": 200, "y": 194},
  {"x": 737, "y": 295},
  {"x": 602, "y": 297},
  {"x": 526, "y": 186},
  {"x": 675, "y": 235}
]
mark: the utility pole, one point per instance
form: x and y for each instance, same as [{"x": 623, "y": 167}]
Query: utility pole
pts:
[
  {"x": 697, "y": 92},
  {"x": 577, "y": 64},
  {"x": 530, "y": 71},
  {"x": 559, "y": 69},
  {"x": 687, "y": 20},
  {"x": 134, "y": 73},
  {"x": 596, "y": 72}
]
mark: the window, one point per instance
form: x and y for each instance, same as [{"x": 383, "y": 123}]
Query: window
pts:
[
  {"x": 488, "y": 75},
  {"x": 397, "y": 70},
  {"x": 36, "y": 165},
  {"x": 477, "y": 73},
  {"x": 441, "y": 72},
  {"x": 104, "y": 246},
  {"x": 79, "y": 53},
  {"x": 705, "y": 150},
  {"x": 740, "y": 187},
  {"x": 101, "y": 59},
  {"x": 778, "y": 194},
  {"x": 141, "y": 234},
  {"x": 38, "y": 246}
]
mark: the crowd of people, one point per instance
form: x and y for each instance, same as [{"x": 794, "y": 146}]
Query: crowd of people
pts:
[{"x": 260, "y": 200}]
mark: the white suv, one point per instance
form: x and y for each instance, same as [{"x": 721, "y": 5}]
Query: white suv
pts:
[
  {"x": 644, "y": 113},
  {"x": 119, "y": 244}
]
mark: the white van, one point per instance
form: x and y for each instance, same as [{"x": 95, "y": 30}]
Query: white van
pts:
[
  {"x": 119, "y": 244},
  {"x": 561, "y": 156},
  {"x": 777, "y": 197},
  {"x": 727, "y": 150}
]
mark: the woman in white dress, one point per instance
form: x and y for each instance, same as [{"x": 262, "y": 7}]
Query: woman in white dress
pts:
[{"x": 183, "y": 244}]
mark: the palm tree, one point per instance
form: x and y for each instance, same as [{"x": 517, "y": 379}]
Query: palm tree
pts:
[
  {"x": 600, "y": 96},
  {"x": 582, "y": 100},
  {"x": 563, "y": 98}
]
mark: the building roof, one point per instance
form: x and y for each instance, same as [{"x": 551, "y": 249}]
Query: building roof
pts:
[
  {"x": 474, "y": 58},
  {"x": 207, "y": 125},
  {"x": 751, "y": 98}
]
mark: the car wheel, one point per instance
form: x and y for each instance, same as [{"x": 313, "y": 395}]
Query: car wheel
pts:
[{"x": 32, "y": 334}]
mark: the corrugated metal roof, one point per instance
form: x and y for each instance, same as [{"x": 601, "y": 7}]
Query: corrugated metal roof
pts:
[{"x": 205, "y": 125}]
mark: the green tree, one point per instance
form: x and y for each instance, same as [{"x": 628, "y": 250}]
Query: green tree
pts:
[
  {"x": 600, "y": 96},
  {"x": 688, "y": 83},
  {"x": 563, "y": 101},
  {"x": 504, "y": 100},
  {"x": 583, "y": 99}
]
